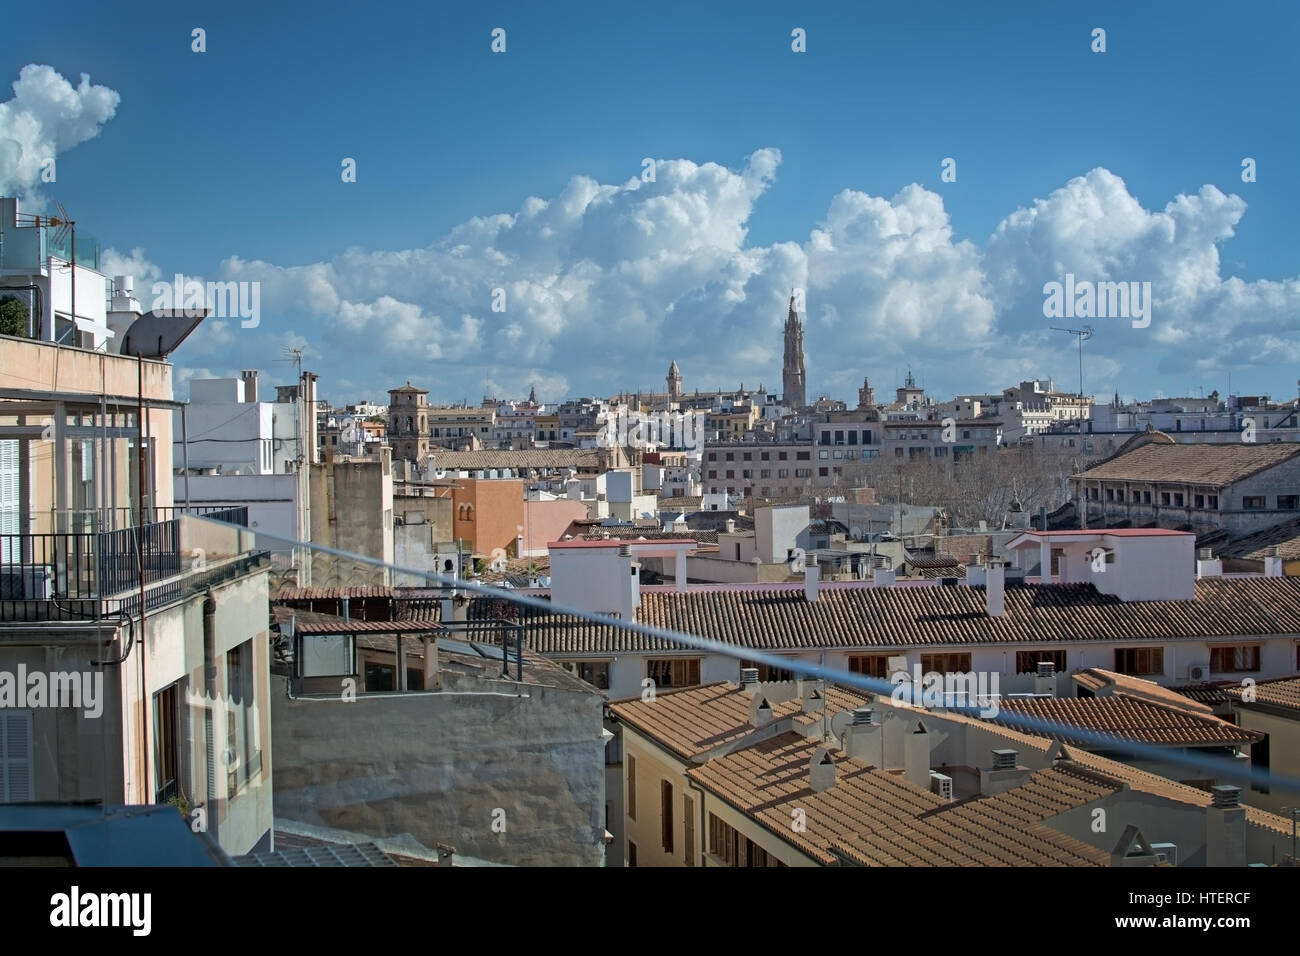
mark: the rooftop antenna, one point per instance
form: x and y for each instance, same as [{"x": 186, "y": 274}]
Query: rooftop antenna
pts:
[
  {"x": 65, "y": 226},
  {"x": 1084, "y": 334}
]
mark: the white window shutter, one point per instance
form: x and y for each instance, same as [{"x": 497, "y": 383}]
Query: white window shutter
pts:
[{"x": 16, "y": 757}]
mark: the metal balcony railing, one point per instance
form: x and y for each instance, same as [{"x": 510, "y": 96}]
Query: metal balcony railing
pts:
[{"x": 69, "y": 575}]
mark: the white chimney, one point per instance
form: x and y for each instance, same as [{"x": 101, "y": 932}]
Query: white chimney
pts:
[
  {"x": 883, "y": 577},
  {"x": 916, "y": 757},
  {"x": 812, "y": 695},
  {"x": 1045, "y": 679},
  {"x": 995, "y": 589},
  {"x": 760, "y": 711},
  {"x": 249, "y": 375},
  {"x": 749, "y": 679},
  {"x": 1225, "y": 828},
  {"x": 1207, "y": 566},
  {"x": 731, "y": 526},
  {"x": 821, "y": 770},
  {"x": 976, "y": 575},
  {"x": 812, "y": 576},
  {"x": 1272, "y": 566}
]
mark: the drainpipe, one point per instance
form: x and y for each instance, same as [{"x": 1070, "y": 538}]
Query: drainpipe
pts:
[
  {"x": 702, "y": 830},
  {"x": 185, "y": 455},
  {"x": 210, "y": 703}
]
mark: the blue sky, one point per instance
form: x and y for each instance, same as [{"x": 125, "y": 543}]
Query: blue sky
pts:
[{"x": 226, "y": 164}]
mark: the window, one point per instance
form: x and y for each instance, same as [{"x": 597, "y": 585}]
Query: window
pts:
[
  {"x": 731, "y": 456},
  {"x": 765, "y": 473},
  {"x": 1214, "y": 502},
  {"x": 733, "y": 849},
  {"x": 1198, "y": 501},
  {"x": 595, "y": 673},
  {"x": 783, "y": 472},
  {"x": 746, "y": 474},
  {"x": 1140, "y": 660},
  {"x": 950, "y": 663},
  {"x": 823, "y": 455},
  {"x": 822, "y": 472},
  {"x": 1288, "y": 502},
  {"x": 803, "y": 456},
  {"x": 674, "y": 672},
  {"x": 379, "y": 678},
  {"x": 166, "y": 712},
  {"x": 1136, "y": 497},
  {"x": 803, "y": 472},
  {"x": 631, "y": 788},
  {"x": 1164, "y": 497},
  {"x": 1178, "y": 499},
  {"x": 242, "y": 733},
  {"x": 713, "y": 473},
  {"x": 1231, "y": 659},
  {"x": 666, "y": 815},
  {"x": 688, "y": 825},
  {"x": 1253, "y": 502},
  {"x": 16, "y": 785},
  {"x": 749, "y": 456},
  {"x": 870, "y": 665},
  {"x": 1027, "y": 661},
  {"x": 765, "y": 456},
  {"x": 631, "y": 854},
  {"x": 853, "y": 438},
  {"x": 782, "y": 456},
  {"x": 731, "y": 473}
]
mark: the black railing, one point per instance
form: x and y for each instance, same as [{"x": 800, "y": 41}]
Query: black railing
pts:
[{"x": 66, "y": 575}]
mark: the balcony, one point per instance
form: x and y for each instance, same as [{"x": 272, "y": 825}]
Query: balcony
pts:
[{"x": 91, "y": 574}]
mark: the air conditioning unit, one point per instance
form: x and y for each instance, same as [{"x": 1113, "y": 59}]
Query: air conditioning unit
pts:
[
  {"x": 1198, "y": 672},
  {"x": 26, "y": 582},
  {"x": 941, "y": 785},
  {"x": 1166, "y": 852}
]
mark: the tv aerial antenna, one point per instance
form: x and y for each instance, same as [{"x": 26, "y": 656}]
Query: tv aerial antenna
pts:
[
  {"x": 65, "y": 227},
  {"x": 1084, "y": 334}
]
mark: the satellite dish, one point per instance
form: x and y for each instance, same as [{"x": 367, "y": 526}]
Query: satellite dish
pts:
[
  {"x": 158, "y": 333},
  {"x": 855, "y": 533}
]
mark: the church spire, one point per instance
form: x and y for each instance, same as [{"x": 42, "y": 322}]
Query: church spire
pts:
[{"x": 792, "y": 370}]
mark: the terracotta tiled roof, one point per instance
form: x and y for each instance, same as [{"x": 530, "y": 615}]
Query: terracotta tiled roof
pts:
[
  {"x": 1124, "y": 718},
  {"x": 779, "y": 617},
  {"x": 696, "y": 721},
  {"x": 1103, "y": 683},
  {"x": 369, "y": 627},
  {"x": 1285, "y": 536},
  {"x": 1284, "y": 692},
  {"x": 1208, "y": 694},
  {"x": 1201, "y": 464},
  {"x": 878, "y": 818},
  {"x": 1159, "y": 786},
  {"x": 578, "y": 458},
  {"x": 332, "y": 594}
]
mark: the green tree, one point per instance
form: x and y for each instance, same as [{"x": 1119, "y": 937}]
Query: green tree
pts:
[{"x": 13, "y": 316}]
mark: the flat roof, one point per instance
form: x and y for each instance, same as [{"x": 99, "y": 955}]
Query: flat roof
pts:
[
  {"x": 1117, "y": 532},
  {"x": 620, "y": 542}
]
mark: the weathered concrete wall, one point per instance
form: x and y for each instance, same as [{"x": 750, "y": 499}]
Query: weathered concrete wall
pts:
[
  {"x": 436, "y": 511},
  {"x": 440, "y": 765}
]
